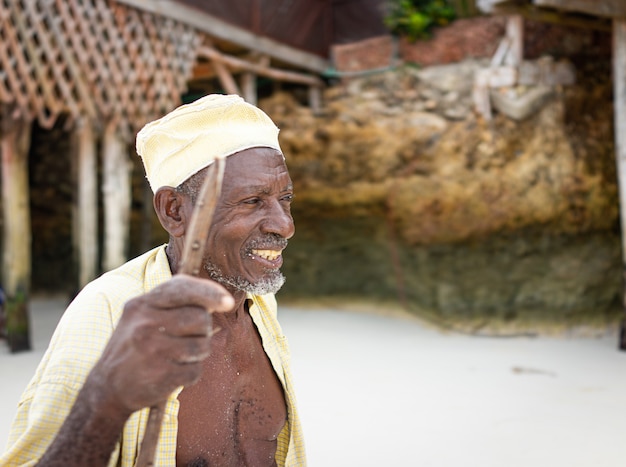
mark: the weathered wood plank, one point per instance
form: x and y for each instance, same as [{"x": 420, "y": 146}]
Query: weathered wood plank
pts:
[
  {"x": 226, "y": 78},
  {"x": 607, "y": 8},
  {"x": 515, "y": 33},
  {"x": 619, "y": 93},
  {"x": 259, "y": 69},
  {"x": 16, "y": 255},
  {"x": 116, "y": 191},
  {"x": 547, "y": 15},
  {"x": 217, "y": 28},
  {"x": 86, "y": 204},
  {"x": 619, "y": 80},
  {"x": 489, "y": 6},
  {"x": 315, "y": 98},
  {"x": 248, "y": 87}
]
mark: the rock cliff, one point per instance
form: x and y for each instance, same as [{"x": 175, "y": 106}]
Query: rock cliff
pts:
[{"x": 404, "y": 193}]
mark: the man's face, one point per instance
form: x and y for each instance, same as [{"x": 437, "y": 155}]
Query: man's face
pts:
[{"x": 252, "y": 223}]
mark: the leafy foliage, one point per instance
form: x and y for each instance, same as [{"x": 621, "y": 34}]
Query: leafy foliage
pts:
[{"x": 416, "y": 18}]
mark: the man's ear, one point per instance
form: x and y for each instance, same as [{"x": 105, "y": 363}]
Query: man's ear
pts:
[{"x": 170, "y": 206}]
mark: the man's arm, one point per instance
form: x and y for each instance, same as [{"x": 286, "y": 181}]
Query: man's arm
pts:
[
  {"x": 158, "y": 345},
  {"x": 90, "y": 432}
]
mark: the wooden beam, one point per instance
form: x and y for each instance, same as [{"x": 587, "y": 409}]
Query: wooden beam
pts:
[
  {"x": 16, "y": 255},
  {"x": 546, "y": 15},
  {"x": 248, "y": 86},
  {"x": 262, "y": 70},
  {"x": 116, "y": 191},
  {"x": 510, "y": 51},
  {"x": 249, "y": 79},
  {"x": 501, "y": 52},
  {"x": 315, "y": 99},
  {"x": 226, "y": 79},
  {"x": 216, "y": 27},
  {"x": 515, "y": 34},
  {"x": 619, "y": 98},
  {"x": 86, "y": 203},
  {"x": 489, "y": 6},
  {"x": 606, "y": 8}
]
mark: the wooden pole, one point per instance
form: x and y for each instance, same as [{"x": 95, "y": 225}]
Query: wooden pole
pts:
[
  {"x": 16, "y": 264},
  {"x": 147, "y": 213},
  {"x": 226, "y": 78},
  {"x": 315, "y": 98},
  {"x": 619, "y": 96},
  {"x": 515, "y": 34},
  {"x": 259, "y": 69},
  {"x": 116, "y": 192},
  {"x": 86, "y": 212},
  {"x": 249, "y": 79},
  {"x": 248, "y": 87}
]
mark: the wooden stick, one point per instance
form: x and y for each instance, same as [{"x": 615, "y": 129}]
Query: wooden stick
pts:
[{"x": 191, "y": 264}]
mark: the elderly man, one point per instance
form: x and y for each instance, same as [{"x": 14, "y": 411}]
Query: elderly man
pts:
[{"x": 137, "y": 336}]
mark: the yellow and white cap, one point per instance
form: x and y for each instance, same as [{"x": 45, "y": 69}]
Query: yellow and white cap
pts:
[{"x": 192, "y": 136}]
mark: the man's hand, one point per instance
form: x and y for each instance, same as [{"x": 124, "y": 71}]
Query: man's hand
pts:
[{"x": 159, "y": 344}]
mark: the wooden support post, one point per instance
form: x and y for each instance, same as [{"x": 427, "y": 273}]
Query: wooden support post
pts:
[
  {"x": 116, "y": 192},
  {"x": 515, "y": 35},
  {"x": 315, "y": 98},
  {"x": 619, "y": 96},
  {"x": 226, "y": 78},
  {"x": 259, "y": 68},
  {"x": 501, "y": 52},
  {"x": 503, "y": 70},
  {"x": 480, "y": 94},
  {"x": 147, "y": 214},
  {"x": 16, "y": 255},
  {"x": 248, "y": 86},
  {"x": 248, "y": 79},
  {"x": 86, "y": 203}
]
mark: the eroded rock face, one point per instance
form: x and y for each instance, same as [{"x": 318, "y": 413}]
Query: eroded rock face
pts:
[{"x": 402, "y": 191}]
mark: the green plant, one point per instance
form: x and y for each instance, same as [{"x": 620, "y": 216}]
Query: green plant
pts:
[{"x": 416, "y": 18}]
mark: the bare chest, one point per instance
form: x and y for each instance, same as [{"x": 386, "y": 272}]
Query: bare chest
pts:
[{"x": 232, "y": 416}]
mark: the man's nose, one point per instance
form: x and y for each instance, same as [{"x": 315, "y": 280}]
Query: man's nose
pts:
[{"x": 279, "y": 221}]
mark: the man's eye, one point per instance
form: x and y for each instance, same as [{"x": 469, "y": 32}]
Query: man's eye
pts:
[
  {"x": 288, "y": 198},
  {"x": 252, "y": 201}
]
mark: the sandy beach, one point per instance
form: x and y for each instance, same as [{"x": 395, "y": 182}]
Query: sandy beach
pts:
[{"x": 376, "y": 390}]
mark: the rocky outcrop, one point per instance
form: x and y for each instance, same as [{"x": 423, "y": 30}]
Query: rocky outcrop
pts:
[{"x": 403, "y": 192}]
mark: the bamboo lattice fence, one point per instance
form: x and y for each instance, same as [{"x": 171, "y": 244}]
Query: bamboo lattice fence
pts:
[{"x": 93, "y": 59}]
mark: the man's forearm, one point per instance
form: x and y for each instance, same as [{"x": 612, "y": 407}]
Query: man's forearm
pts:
[{"x": 89, "y": 433}]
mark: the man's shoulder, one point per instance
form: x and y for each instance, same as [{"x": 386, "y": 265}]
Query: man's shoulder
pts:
[
  {"x": 142, "y": 265},
  {"x": 135, "y": 277},
  {"x": 140, "y": 268}
]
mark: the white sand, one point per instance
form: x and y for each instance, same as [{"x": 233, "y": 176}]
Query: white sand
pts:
[{"x": 383, "y": 391}]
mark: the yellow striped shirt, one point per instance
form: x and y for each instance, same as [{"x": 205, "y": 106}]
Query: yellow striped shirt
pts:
[{"x": 77, "y": 344}]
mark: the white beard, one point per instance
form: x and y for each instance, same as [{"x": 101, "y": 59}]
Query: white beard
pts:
[{"x": 271, "y": 283}]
